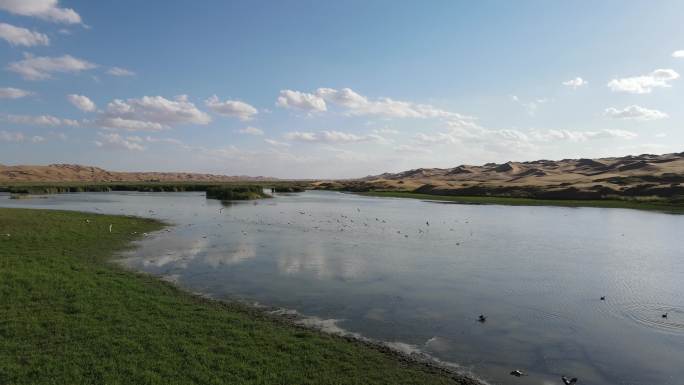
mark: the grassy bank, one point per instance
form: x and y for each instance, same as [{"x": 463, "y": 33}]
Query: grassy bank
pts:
[
  {"x": 68, "y": 316},
  {"x": 626, "y": 204}
]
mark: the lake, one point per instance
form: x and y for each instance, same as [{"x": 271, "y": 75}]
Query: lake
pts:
[{"x": 418, "y": 274}]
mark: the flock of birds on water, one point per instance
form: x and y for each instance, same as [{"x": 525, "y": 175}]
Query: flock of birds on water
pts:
[{"x": 482, "y": 318}]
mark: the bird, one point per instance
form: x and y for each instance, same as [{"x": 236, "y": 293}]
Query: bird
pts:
[
  {"x": 664, "y": 315},
  {"x": 517, "y": 373},
  {"x": 603, "y": 298},
  {"x": 570, "y": 381},
  {"x": 427, "y": 223},
  {"x": 482, "y": 318},
  {"x": 110, "y": 228}
]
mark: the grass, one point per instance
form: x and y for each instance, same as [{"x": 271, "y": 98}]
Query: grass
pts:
[
  {"x": 228, "y": 193},
  {"x": 663, "y": 206},
  {"x": 70, "y": 316}
]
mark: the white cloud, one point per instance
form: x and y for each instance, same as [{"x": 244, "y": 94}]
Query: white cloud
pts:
[
  {"x": 678, "y": 54},
  {"x": 412, "y": 149},
  {"x": 644, "y": 84},
  {"x": 514, "y": 140},
  {"x": 635, "y": 112},
  {"x": 22, "y": 36},
  {"x": 532, "y": 106},
  {"x": 276, "y": 143},
  {"x": 151, "y": 113},
  {"x": 437, "y": 137},
  {"x": 81, "y": 102},
  {"x": 357, "y": 104},
  {"x": 301, "y": 100},
  {"x": 42, "y": 9},
  {"x": 251, "y": 131},
  {"x": 13, "y": 93},
  {"x": 130, "y": 125},
  {"x": 331, "y": 137},
  {"x": 575, "y": 83},
  {"x": 580, "y": 136},
  {"x": 385, "y": 131},
  {"x": 116, "y": 141},
  {"x": 18, "y": 137},
  {"x": 39, "y": 68},
  {"x": 232, "y": 108},
  {"x": 118, "y": 71},
  {"x": 164, "y": 140},
  {"x": 9, "y": 136},
  {"x": 41, "y": 120}
]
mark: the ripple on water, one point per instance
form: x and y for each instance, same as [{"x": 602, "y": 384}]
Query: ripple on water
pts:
[{"x": 650, "y": 315}]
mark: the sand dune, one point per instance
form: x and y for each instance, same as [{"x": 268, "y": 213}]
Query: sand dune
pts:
[
  {"x": 638, "y": 176},
  {"x": 78, "y": 173}
]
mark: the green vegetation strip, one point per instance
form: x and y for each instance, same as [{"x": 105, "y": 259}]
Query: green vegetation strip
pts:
[
  {"x": 607, "y": 203},
  {"x": 70, "y": 316},
  {"x": 74, "y": 187}
]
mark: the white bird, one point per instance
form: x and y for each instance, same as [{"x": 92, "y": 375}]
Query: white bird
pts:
[{"x": 110, "y": 228}]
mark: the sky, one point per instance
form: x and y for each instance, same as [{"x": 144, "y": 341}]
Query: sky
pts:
[{"x": 323, "y": 89}]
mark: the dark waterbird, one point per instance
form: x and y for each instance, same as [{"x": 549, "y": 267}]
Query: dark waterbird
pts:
[
  {"x": 603, "y": 298},
  {"x": 664, "y": 315},
  {"x": 482, "y": 318},
  {"x": 570, "y": 381},
  {"x": 517, "y": 373}
]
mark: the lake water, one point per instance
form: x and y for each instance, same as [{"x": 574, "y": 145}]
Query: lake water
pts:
[{"x": 418, "y": 274}]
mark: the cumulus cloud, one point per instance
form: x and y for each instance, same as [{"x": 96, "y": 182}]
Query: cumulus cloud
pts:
[
  {"x": 644, "y": 84},
  {"x": 301, "y": 100},
  {"x": 118, "y": 142},
  {"x": 40, "y": 68},
  {"x": 13, "y": 93},
  {"x": 18, "y": 137},
  {"x": 331, "y": 137},
  {"x": 575, "y": 83},
  {"x": 151, "y": 113},
  {"x": 118, "y": 71},
  {"x": 41, "y": 120},
  {"x": 81, "y": 102},
  {"x": 635, "y": 112},
  {"x": 22, "y": 36},
  {"x": 357, "y": 104},
  {"x": 43, "y": 9},
  {"x": 232, "y": 108},
  {"x": 251, "y": 131},
  {"x": 678, "y": 54}
]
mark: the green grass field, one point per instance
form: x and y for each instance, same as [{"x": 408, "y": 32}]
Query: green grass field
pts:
[
  {"x": 70, "y": 316},
  {"x": 607, "y": 203}
]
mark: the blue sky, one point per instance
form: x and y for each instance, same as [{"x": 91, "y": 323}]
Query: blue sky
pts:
[{"x": 336, "y": 89}]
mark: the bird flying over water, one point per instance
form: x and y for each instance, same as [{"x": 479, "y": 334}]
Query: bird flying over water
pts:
[{"x": 567, "y": 381}]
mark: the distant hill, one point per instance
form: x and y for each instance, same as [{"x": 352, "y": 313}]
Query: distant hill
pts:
[
  {"x": 641, "y": 175},
  {"x": 79, "y": 173}
]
